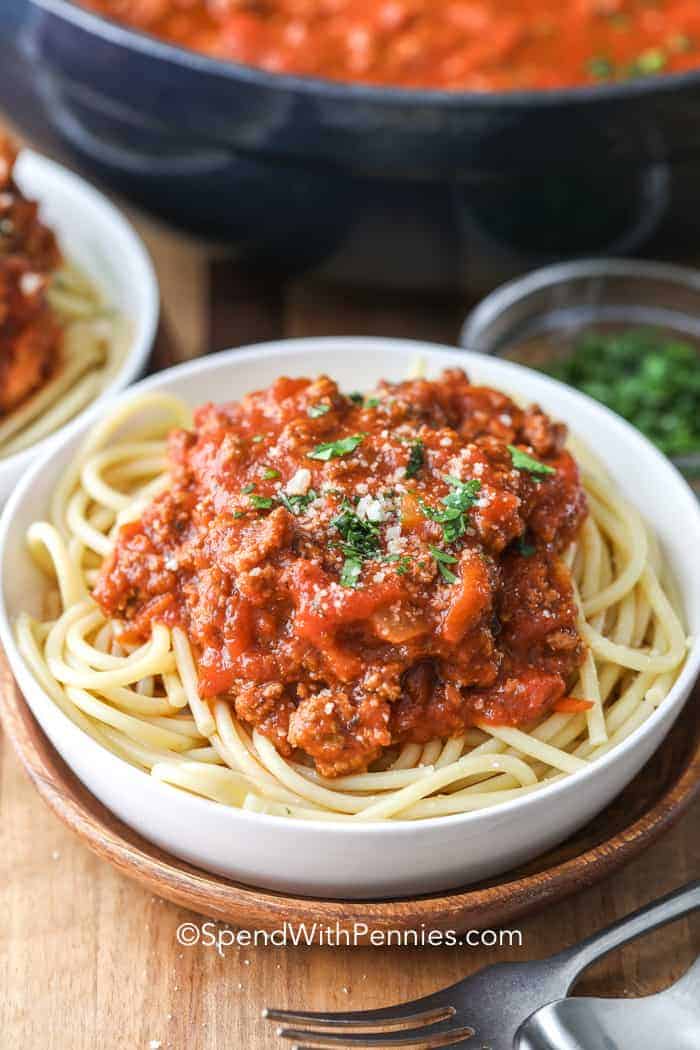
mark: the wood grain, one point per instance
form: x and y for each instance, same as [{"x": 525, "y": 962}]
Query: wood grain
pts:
[
  {"x": 648, "y": 807},
  {"x": 89, "y": 958}
]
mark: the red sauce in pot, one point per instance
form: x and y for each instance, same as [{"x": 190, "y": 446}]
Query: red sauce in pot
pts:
[
  {"x": 480, "y": 45},
  {"x": 357, "y": 574}
]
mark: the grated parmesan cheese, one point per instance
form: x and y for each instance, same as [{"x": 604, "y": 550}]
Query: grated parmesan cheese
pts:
[{"x": 298, "y": 485}]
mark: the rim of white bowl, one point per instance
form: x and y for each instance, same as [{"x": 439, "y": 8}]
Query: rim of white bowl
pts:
[
  {"x": 283, "y": 349},
  {"x": 145, "y": 325}
]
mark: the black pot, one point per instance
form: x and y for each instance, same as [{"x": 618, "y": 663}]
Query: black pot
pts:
[{"x": 382, "y": 185}]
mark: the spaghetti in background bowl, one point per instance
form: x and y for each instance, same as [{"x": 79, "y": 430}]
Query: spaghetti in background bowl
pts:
[
  {"x": 106, "y": 264},
  {"x": 347, "y": 859}
]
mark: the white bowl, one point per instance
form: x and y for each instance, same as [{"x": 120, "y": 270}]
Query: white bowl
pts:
[
  {"x": 96, "y": 236},
  {"x": 374, "y": 860}
]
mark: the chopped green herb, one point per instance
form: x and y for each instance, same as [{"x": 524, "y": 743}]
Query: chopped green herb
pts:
[
  {"x": 351, "y": 571},
  {"x": 457, "y": 483},
  {"x": 600, "y": 67},
  {"x": 442, "y": 556},
  {"x": 416, "y": 459},
  {"x": 257, "y": 438},
  {"x": 446, "y": 573},
  {"x": 239, "y": 514},
  {"x": 371, "y": 402},
  {"x": 360, "y": 535},
  {"x": 458, "y": 502},
  {"x": 649, "y": 62},
  {"x": 332, "y": 449},
  {"x": 357, "y": 397},
  {"x": 649, "y": 377},
  {"x": 296, "y": 504},
  {"x": 317, "y": 410},
  {"x": 401, "y": 561},
  {"x": 270, "y": 473},
  {"x": 525, "y": 548},
  {"x": 444, "y": 559},
  {"x": 360, "y": 541},
  {"x": 521, "y": 461},
  {"x": 248, "y": 488},
  {"x": 261, "y": 502}
]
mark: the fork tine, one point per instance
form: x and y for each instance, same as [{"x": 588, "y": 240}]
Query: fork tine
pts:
[
  {"x": 400, "y": 1015},
  {"x": 429, "y": 1037}
]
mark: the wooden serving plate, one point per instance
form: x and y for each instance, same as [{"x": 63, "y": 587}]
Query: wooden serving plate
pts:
[{"x": 647, "y": 808}]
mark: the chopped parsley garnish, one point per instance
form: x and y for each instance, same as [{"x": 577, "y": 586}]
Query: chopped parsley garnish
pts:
[
  {"x": 402, "y": 562},
  {"x": 360, "y": 541},
  {"x": 261, "y": 502},
  {"x": 525, "y": 548},
  {"x": 521, "y": 461},
  {"x": 333, "y": 449},
  {"x": 239, "y": 514},
  {"x": 416, "y": 459},
  {"x": 360, "y": 536},
  {"x": 350, "y": 573},
  {"x": 446, "y": 573},
  {"x": 600, "y": 67},
  {"x": 457, "y": 503},
  {"x": 318, "y": 409},
  {"x": 296, "y": 504},
  {"x": 257, "y": 438},
  {"x": 649, "y": 376},
  {"x": 444, "y": 559},
  {"x": 357, "y": 397},
  {"x": 371, "y": 402},
  {"x": 443, "y": 556},
  {"x": 248, "y": 488},
  {"x": 651, "y": 61},
  {"x": 270, "y": 473}
]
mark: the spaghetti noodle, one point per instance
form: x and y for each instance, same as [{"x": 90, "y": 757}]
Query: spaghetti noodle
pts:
[{"x": 142, "y": 698}]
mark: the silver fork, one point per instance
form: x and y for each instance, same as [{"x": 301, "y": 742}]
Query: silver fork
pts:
[{"x": 487, "y": 1007}]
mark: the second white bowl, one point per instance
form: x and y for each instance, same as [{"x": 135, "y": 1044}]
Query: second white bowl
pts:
[{"x": 95, "y": 235}]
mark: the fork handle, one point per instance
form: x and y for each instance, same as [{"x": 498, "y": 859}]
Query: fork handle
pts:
[{"x": 675, "y": 905}]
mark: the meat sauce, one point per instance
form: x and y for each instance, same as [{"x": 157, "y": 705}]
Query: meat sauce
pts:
[
  {"x": 354, "y": 573},
  {"x": 479, "y": 45},
  {"x": 29, "y": 334}
]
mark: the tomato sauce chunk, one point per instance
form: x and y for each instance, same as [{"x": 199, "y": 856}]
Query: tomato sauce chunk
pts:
[{"x": 356, "y": 571}]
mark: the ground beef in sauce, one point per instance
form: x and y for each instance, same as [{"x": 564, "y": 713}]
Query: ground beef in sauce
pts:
[
  {"x": 29, "y": 334},
  {"x": 401, "y": 583}
]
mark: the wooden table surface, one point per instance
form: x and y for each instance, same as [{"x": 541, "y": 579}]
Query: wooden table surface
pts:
[{"x": 89, "y": 960}]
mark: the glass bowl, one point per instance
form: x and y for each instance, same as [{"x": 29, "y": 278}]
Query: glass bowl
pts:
[{"x": 615, "y": 307}]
